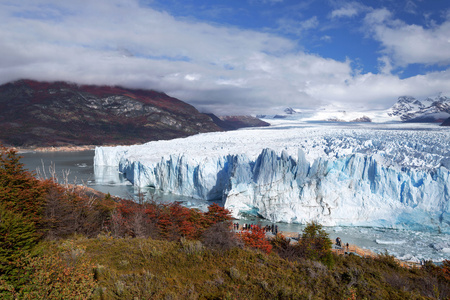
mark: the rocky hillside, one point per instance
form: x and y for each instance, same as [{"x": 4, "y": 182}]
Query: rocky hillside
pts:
[
  {"x": 57, "y": 114},
  {"x": 409, "y": 109},
  {"x": 236, "y": 122},
  {"x": 446, "y": 122}
]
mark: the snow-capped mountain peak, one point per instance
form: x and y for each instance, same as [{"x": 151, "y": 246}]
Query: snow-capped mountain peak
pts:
[
  {"x": 409, "y": 109},
  {"x": 290, "y": 111}
]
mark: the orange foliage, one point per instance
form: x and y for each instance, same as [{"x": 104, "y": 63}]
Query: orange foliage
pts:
[
  {"x": 59, "y": 211},
  {"x": 172, "y": 220},
  {"x": 446, "y": 269},
  {"x": 217, "y": 214},
  {"x": 256, "y": 238}
]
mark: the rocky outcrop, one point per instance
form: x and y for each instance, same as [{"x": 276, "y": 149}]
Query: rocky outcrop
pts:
[
  {"x": 446, "y": 122},
  {"x": 362, "y": 119},
  {"x": 59, "y": 113},
  {"x": 290, "y": 111},
  {"x": 236, "y": 122},
  {"x": 409, "y": 109}
]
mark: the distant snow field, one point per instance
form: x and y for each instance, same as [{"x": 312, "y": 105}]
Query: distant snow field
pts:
[{"x": 366, "y": 174}]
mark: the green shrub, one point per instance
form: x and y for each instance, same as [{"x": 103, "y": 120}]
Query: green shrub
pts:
[
  {"x": 17, "y": 238},
  {"x": 19, "y": 190},
  {"x": 316, "y": 245},
  {"x": 61, "y": 273}
]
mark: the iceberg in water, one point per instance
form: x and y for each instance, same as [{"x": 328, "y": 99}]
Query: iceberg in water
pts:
[{"x": 345, "y": 176}]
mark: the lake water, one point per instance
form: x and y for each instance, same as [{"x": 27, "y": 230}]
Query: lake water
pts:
[{"x": 77, "y": 167}]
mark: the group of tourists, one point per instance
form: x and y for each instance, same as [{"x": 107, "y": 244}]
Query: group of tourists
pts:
[
  {"x": 339, "y": 243},
  {"x": 268, "y": 228}
]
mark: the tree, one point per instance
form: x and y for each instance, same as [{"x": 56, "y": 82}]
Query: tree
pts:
[
  {"x": 315, "y": 243},
  {"x": 17, "y": 238},
  {"x": 446, "y": 269},
  {"x": 285, "y": 249},
  {"x": 220, "y": 237},
  {"x": 256, "y": 238},
  {"x": 19, "y": 190},
  {"x": 217, "y": 214}
]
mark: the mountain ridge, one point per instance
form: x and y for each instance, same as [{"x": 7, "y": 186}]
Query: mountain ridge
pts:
[
  {"x": 34, "y": 113},
  {"x": 409, "y": 109}
]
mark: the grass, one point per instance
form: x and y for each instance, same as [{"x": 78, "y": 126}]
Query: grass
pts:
[{"x": 143, "y": 268}]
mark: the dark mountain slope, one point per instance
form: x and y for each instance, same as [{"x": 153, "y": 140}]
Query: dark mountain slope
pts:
[
  {"x": 236, "y": 122},
  {"x": 54, "y": 114}
]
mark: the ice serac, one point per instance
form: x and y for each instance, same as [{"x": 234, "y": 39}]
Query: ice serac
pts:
[
  {"x": 378, "y": 178},
  {"x": 175, "y": 174},
  {"x": 352, "y": 190}
]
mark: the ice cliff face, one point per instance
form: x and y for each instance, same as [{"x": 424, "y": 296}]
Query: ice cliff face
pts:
[
  {"x": 352, "y": 190},
  {"x": 387, "y": 178}
]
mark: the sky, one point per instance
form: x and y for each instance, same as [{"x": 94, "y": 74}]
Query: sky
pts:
[{"x": 236, "y": 56}]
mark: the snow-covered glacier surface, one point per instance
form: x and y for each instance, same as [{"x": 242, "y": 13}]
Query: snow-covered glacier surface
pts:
[{"x": 375, "y": 175}]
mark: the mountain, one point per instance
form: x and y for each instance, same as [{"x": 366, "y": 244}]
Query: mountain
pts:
[
  {"x": 290, "y": 111},
  {"x": 328, "y": 113},
  {"x": 36, "y": 113},
  {"x": 409, "y": 109},
  {"x": 236, "y": 122},
  {"x": 446, "y": 122}
]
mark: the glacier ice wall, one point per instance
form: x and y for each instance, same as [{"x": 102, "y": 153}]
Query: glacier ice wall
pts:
[
  {"x": 352, "y": 190},
  {"x": 346, "y": 181}
]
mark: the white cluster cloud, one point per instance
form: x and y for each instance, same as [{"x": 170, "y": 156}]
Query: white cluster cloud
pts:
[
  {"x": 410, "y": 44},
  {"x": 223, "y": 69}
]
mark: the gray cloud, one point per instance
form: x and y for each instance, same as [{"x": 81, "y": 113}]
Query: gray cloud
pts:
[{"x": 220, "y": 69}]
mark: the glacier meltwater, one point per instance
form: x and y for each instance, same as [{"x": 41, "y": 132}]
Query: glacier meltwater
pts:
[{"x": 390, "y": 176}]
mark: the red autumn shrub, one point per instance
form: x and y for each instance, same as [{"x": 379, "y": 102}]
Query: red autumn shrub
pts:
[
  {"x": 446, "y": 269},
  {"x": 217, "y": 214},
  {"x": 172, "y": 221},
  {"x": 256, "y": 238}
]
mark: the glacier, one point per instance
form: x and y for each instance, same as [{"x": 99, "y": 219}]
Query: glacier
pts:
[{"x": 391, "y": 176}]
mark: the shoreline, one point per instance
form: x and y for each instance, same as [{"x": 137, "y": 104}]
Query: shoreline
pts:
[
  {"x": 71, "y": 148},
  {"x": 58, "y": 148},
  {"x": 353, "y": 249}
]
